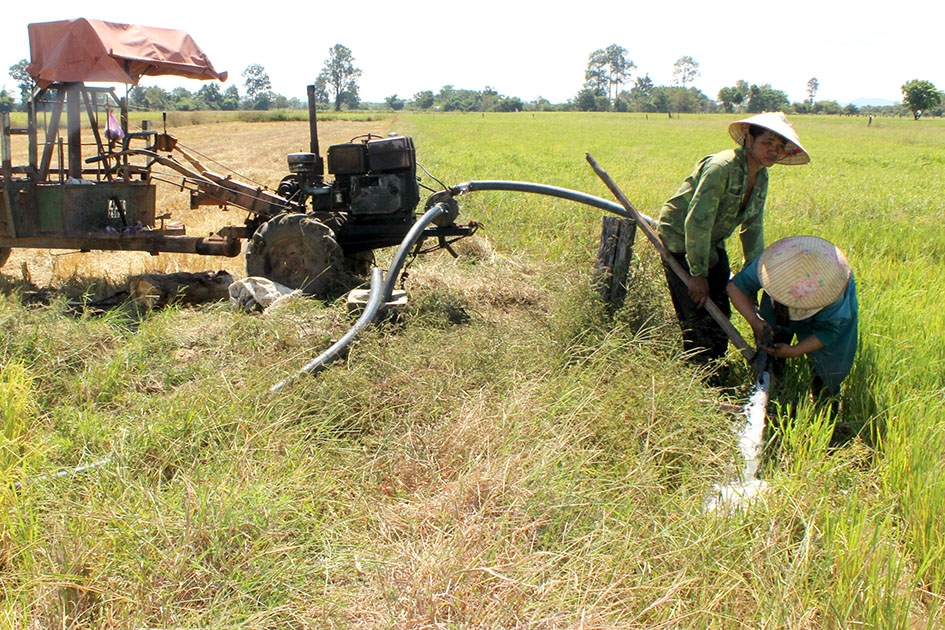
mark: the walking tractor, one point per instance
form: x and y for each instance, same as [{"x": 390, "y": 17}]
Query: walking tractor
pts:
[
  {"x": 90, "y": 181},
  {"x": 99, "y": 193}
]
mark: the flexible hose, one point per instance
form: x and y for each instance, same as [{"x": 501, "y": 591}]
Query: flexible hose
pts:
[
  {"x": 407, "y": 244},
  {"x": 380, "y": 294},
  {"x": 551, "y": 191}
]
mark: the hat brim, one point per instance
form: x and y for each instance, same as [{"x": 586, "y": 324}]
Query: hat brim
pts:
[
  {"x": 805, "y": 273},
  {"x": 797, "y": 314}
]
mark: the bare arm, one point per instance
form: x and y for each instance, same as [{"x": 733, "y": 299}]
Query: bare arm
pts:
[
  {"x": 745, "y": 305},
  {"x": 787, "y": 351}
]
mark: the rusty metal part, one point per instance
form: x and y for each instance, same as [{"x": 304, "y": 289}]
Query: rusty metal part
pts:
[
  {"x": 214, "y": 189},
  {"x": 152, "y": 241}
]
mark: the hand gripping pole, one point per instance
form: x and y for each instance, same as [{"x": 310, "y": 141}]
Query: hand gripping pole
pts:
[{"x": 710, "y": 306}]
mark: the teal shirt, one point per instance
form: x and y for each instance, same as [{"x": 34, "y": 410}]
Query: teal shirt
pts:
[
  {"x": 835, "y": 326},
  {"x": 706, "y": 210}
]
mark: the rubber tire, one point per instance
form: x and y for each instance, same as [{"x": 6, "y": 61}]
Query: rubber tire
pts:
[
  {"x": 4, "y": 255},
  {"x": 296, "y": 251}
]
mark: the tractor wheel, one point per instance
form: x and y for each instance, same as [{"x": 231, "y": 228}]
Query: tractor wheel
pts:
[
  {"x": 296, "y": 251},
  {"x": 4, "y": 254}
]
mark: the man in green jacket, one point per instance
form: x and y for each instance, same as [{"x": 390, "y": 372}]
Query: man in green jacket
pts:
[{"x": 725, "y": 191}]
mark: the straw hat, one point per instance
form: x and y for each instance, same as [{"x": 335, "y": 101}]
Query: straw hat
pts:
[
  {"x": 777, "y": 122},
  {"x": 805, "y": 273}
]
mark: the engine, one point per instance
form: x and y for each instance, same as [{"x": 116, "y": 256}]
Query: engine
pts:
[
  {"x": 371, "y": 201},
  {"x": 376, "y": 177}
]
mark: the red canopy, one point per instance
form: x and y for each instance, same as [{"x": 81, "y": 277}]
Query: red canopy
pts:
[{"x": 92, "y": 50}]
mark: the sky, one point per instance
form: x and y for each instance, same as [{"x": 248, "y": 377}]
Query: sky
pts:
[{"x": 530, "y": 49}]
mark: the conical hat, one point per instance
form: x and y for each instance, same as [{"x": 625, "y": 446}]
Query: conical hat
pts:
[
  {"x": 777, "y": 122},
  {"x": 805, "y": 273}
]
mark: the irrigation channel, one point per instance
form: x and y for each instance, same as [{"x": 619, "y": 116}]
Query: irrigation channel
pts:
[{"x": 747, "y": 485}]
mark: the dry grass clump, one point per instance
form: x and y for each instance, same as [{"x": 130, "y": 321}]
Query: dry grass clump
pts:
[
  {"x": 478, "y": 280},
  {"x": 475, "y": 249}
]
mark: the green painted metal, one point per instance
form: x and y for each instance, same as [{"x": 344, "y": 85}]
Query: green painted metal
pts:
[{"x": 77, "y": 209}]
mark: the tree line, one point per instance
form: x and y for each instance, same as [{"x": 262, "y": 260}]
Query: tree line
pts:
[{"x": 607, "y": 87}]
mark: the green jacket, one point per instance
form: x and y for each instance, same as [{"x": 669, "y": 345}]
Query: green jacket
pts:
[{"x": 706, "y": 209}]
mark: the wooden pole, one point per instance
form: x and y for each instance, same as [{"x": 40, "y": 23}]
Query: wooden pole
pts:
[
  {"x": 613, "y": 258},
  {"x": 74, "y": 129},
  {"x": 710, "y": 306}
]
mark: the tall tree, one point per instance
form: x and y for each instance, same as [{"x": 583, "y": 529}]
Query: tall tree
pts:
[
  {"x": 596, "y": 78},
  {"x": 256, "y": 81},
  {"x": 23, "y": 80},
  {"x": 352, "y": 98},
  {"x": 920, "y": 96},
  {"x": 641, "y": 94},
  {"x": 181, "y": 99},
  {"x": 586, "y": 100},
  {"x": 394, "y": 102},
  {"x": 423, "y": 100},
  {"x": 340, "y": 76},
  {"x": 487, "y": 98},
  {"x": 136, "y": 97},
  {"x": 607, "y": 70},
  {"x": 812, "y": 86},
  {"x": 541, "y": 104},
  {"x": 685, "y": 70},
  {"x": 209, "y": 96},
  {"x": 619, "y": 67},
  {"x": 152, "y": 98},
  {"x": 765, "y": 98},
  {"x": 321, "y": 90},
  {"x": 730, "y": 97},
  {"x": 231, "y": 99},
  {"x": 742, "y": 86}
]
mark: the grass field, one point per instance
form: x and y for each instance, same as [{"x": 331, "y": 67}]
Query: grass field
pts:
[{"x": 511, "y": 454}]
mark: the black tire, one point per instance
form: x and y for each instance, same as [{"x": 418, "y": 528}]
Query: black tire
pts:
[
  {"x": 296, "y": 251},
  {"x": 4, "y": 255}
]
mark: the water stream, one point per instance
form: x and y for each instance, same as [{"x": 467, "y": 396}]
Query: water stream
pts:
[{"x": 747, "y": 486}]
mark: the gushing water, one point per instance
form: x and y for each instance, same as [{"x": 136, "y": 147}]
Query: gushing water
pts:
[{"x": 748, "y": 486}]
